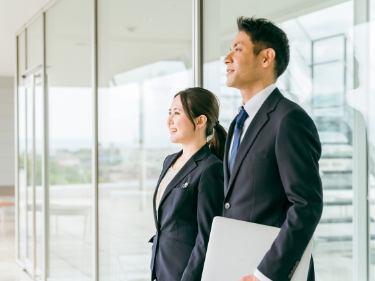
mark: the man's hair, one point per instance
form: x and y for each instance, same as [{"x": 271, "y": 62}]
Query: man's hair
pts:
[{"x": 265, "y": 34}]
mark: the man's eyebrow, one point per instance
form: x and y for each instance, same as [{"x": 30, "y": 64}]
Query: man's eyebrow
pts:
[{"x": 234, "y": 45}]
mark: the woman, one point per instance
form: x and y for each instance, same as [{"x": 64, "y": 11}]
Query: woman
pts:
[{"x": 190, "y": 190}]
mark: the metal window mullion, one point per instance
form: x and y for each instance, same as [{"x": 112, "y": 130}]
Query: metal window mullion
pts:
[
  {"x": 33, "y": 176},
  {"x": 16, "y": 151},
  {"x": 26, "y": 177},
  {"x": 197, "y": 43},
  {"x": 45, "y": 170},
  {"x": 94, "y": 83}
]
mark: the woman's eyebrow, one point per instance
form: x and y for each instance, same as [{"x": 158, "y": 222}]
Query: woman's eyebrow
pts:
[{"x": 174, "y": 109}]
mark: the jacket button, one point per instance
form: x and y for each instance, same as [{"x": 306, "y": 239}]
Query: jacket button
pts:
[{"x": 227, "y": 206}]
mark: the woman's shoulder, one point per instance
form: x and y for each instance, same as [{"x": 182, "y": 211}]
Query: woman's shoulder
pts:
[
  {"x": 212, "y": 161},
  {"x": 169, "y": 158}
]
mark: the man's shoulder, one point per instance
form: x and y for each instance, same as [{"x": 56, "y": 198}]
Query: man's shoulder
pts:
[{"x": 288, "y": 108}]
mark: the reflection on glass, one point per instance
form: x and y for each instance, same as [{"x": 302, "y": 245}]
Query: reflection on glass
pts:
[
  {"x": 68, "y": 56},
  {"x": 362, "y": 98},
  {"x": 144, "y": 60},
  {"x": 319, "y": 74}
]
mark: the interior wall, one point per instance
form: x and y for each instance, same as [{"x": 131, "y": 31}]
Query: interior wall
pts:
[{"x": 7, "y": 136}]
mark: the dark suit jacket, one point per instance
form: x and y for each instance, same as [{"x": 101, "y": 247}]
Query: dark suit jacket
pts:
[
  {"x": 275, "y": 181},
  {"x": 185, "y": 216}
]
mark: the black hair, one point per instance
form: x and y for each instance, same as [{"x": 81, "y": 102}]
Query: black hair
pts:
[
  {"x": 198, "y": 101},
  {"x": 265, "y": 34}
]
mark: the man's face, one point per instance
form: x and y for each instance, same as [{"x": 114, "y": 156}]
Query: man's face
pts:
[{"x": 243, "y": 67}]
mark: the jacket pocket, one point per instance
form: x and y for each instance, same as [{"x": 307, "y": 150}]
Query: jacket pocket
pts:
[{"x": 181, "y": 241}]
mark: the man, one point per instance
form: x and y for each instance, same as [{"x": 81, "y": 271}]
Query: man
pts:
[{"x": 271, "y": 171}]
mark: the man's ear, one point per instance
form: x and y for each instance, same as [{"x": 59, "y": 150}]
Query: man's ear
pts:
[
  {"x": 268, "y": 56},
  {"x": 200, "y": 121}
]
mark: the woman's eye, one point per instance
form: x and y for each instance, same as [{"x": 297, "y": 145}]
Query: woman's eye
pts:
[{"x": 177, "y": 113}]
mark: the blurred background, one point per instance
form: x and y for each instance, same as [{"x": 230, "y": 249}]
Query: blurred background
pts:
[{"x": 76, "y": 208}]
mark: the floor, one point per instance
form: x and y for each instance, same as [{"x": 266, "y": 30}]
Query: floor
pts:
[{"x": 9, "y": 270}]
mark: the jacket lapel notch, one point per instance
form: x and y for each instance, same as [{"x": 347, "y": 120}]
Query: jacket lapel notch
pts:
[
  {"x": 185, "y": 170},
  {"x": 190, "y": 165}
]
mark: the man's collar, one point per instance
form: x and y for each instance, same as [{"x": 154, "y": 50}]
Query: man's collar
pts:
[{"x": 253, "y": 105}]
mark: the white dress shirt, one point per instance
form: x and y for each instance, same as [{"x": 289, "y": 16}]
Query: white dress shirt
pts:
[{"x": 252, "y": 107}]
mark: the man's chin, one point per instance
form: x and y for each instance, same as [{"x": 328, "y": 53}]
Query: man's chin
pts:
[{"x": 231, "y": 84}]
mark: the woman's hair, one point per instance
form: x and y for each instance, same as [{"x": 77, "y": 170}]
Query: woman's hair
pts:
[{"x": 198, "y": 101}]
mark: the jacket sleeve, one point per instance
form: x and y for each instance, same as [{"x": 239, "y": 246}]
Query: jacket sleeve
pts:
[
  {"x": 297, "y": 150},
  {"x": 210, "y": 204}
]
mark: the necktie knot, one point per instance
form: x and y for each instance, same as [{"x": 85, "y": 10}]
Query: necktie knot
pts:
[{"x": 241, "y": 117}]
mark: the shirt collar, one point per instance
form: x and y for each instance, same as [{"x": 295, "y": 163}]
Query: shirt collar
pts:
[{"x": 253, "y": 105}]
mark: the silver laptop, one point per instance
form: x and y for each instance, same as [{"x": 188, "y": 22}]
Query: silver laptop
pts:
[{"x": 236, "y": 248}]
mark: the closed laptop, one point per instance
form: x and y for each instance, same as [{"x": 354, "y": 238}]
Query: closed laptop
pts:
[{"x": 236, "y": 248}]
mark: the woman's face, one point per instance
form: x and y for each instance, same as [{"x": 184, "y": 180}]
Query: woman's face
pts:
[{"x": 179, "y": 125}]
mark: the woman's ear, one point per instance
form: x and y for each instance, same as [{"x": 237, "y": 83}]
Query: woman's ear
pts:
[{"x": 200, "y": 121}]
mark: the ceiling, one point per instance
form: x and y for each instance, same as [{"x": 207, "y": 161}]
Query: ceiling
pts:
[
  {"x": 149, "y": 27},
  {"x": 13, "y": 15}
]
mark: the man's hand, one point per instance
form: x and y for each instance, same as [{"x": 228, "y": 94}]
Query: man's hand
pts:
[{"x": 249, "y": 278}]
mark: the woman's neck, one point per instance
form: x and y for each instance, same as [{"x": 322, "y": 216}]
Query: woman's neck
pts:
[{"x": 188, "y": 150}]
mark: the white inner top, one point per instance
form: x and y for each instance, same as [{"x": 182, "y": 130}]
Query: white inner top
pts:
[{"x": 163, "y": 185}]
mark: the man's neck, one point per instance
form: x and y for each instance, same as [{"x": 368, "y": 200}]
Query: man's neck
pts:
[{"x": 253, "y": 90}]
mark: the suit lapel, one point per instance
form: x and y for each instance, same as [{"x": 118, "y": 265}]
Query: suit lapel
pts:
[
  {"x": 226, "y": 153},
  {"x": 256, "y": 125},
  {"x": 189, "y": 166},
  {"x": 163, "y": 172}
]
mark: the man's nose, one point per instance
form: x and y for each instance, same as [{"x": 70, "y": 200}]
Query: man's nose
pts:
[{"x": 227, "y": 59}]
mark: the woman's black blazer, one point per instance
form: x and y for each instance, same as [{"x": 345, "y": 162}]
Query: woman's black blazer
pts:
[{"x": 186, "y": 210}]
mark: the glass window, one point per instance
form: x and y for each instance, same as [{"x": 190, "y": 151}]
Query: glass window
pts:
[
  {"x": 35, "y": 43},
  {"x": 68, "y": 59},
  {"x": 38, "y": 134},
  {"x": 21, "y": 174},
  {"x": 144, "y": 60},
  {"x": 22, "y": 240},
  {"x": 21, "y": 55},
  {"x": 317, "y": 79}
]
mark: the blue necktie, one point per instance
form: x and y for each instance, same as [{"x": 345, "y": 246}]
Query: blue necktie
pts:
[{"x": 240, "y": 120}]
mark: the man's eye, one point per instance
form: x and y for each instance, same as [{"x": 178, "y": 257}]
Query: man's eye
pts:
[{"x": 236, "y": 50}]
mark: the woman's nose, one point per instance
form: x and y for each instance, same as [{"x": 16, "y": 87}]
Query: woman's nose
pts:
[{"x": 169, "y": 119}]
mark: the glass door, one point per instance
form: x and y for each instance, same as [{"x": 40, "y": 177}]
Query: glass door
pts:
[{"x": 32, "y": 176}]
